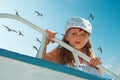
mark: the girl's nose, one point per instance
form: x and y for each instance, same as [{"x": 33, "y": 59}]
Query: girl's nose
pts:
[{"x": 78, "y": 37}]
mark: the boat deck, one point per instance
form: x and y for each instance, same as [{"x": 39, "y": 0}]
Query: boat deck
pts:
[{"x": 16, "y": 66}]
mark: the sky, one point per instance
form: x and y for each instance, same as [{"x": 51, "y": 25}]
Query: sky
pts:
[{"x": 105, "y": 25}]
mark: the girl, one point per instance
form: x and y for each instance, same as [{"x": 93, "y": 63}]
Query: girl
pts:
[{"x": 77, "y": 35}]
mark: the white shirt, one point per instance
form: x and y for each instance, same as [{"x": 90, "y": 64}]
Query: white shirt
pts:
[{"x": 86, "y": 68}]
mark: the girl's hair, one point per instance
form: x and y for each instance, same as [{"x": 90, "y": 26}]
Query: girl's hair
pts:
[{"x": 66, "y": 56}]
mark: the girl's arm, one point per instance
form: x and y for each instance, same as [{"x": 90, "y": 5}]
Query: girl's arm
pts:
[
  {"x": 50, "y": 35},
  {"x": 94, "y": 62}
]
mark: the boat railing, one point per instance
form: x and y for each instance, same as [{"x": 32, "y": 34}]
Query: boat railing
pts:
[{"x": 76, "y": 53}]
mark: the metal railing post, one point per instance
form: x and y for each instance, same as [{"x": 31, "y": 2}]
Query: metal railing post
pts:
[{"x": 41, "y": 49}]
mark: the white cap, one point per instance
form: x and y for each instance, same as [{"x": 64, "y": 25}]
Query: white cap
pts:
[{"x": 78, "y": 22}]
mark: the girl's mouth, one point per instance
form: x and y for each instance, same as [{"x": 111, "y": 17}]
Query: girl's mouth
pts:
[{"x": 77, "y": 42}]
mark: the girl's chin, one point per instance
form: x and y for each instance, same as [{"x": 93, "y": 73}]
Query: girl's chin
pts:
[{"x": 78, "y": 48}]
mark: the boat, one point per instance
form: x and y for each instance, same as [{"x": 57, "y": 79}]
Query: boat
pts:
[{"x": 17, "y": 66}]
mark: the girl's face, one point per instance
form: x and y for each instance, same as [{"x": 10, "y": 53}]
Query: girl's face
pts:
[{"x": 77, "y": 38}]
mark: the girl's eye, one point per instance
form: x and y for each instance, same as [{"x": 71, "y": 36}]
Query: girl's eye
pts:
[
  {"x": 73, "y": 33},
  {"x": 83, "y": 34}
]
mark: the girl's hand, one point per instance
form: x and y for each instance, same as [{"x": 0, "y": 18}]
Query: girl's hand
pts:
[
  {"x": 50, "y": 35},
  {"x": 95, "y": 62}
]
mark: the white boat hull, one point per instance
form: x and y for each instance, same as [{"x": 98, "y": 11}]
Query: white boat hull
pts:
[{"x": 14, "y": 66}]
